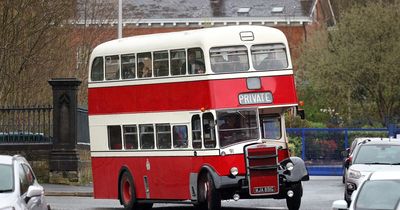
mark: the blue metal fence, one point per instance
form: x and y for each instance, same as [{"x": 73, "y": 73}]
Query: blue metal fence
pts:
[{"x": 321, "y": 148}]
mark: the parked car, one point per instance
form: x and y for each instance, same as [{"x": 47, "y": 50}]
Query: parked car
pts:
[
  {"x": 19, "y": 189},
  {"x": 369, "y": 157},
  {"x": 379, "y": 191},
  {"x": 348, "y": 153},
  {"x": 22, "y": 136}
]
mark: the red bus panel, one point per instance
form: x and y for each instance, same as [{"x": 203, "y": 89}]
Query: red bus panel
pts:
[{"x": 186, "y": 95}]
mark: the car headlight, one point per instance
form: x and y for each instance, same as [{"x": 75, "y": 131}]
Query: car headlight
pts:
[
  {"x": 353, "y": 174},
  {"x": 289, "y": 166}
]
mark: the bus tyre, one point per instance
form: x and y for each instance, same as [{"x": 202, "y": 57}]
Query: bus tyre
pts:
[
  {"x": 209, "y": 197},
  {"x": 293, "y": 203},
  {"x": 127, "y": 191}
]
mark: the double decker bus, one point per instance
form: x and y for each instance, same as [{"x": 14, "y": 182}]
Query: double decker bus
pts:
[{"x": 193, "y": 117}]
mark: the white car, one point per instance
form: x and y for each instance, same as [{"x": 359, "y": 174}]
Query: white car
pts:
[
  {"x": 379, "y": 191},
  {"x": 370, "y": 157},
  {"x": 349, "y": 152},
  {"x": 19, "y": 189}
]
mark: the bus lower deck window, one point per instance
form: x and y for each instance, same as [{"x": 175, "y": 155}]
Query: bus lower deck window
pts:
[
  {"x": 146, "y": 136},
  {"x": 114, "y": 137}
]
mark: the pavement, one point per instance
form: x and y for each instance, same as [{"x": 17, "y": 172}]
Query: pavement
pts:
[
  {"x": 68, "y": 190},
  {"x": 87, "y": 190}
]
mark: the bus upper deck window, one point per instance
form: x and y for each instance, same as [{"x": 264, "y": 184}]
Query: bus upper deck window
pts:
[
  {"x": 269, "y": 56},
  {"x": 128, "y": 66},
  {"x": 229, "y": 59},
  {"x": 144, "y": 65},
  {"x": 112, "y": 67},
  {"x": 195, "y": 64},
  {"x": 161, "y": 64},
  {"x": 178, "y": 62},
  {"x": 97, "y": 73}
]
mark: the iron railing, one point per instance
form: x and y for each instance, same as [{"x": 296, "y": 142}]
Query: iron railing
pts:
[{"x": 26, "y": 125}]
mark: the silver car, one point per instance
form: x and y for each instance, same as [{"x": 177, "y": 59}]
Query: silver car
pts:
[
  {"x": 380, "y": 190},
  {"x": 19, "y": 189},
  {"x": 349, "y": 152},
  {"x": 370, "y": 157}
]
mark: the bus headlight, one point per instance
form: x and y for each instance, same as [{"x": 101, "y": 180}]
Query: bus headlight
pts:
[
  {"x": 234, "y": 171},
  {"x": 289, "y": 166}
]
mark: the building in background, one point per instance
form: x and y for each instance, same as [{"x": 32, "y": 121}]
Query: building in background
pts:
[{"x": 97, "y": 21}]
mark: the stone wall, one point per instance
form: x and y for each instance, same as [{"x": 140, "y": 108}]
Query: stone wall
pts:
[{"x": 38, "y": 156}]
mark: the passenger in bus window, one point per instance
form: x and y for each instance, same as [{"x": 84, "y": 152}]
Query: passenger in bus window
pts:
[
  {"x": 195, "y": 65},
  {"x": 143, "y": 71},
  {"x": 230, "y": 122},
  {"x": 229, "y": 132},
  {"x": 128, "y": 72}
]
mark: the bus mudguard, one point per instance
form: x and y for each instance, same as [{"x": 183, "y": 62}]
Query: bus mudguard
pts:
[
  {"x": 299, "y": 171},
  {"x": 221, "y": 182}
]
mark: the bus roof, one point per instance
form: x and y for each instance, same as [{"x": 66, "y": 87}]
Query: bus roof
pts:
[{"x": 206, "y": 38}]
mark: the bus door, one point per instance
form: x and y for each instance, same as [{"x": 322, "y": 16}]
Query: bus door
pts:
[
  {"x": 204, "y": 144},
  {"x": 203, "y": 132}
]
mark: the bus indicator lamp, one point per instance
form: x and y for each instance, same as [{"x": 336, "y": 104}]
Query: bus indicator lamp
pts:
[
  {"x": 301, "y": 103},
  {"x": 203, "y": 109}
]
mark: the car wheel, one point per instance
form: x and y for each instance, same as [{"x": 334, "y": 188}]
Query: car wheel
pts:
[
  {"x": 209, "y": 197},
  {"x": 293, "y": 203}
]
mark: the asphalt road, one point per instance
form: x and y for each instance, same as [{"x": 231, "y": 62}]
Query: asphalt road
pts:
[{"x": 319, "y": 193}]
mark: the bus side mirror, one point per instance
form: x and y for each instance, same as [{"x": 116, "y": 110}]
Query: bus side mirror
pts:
[{"x": 301, "y": 113}]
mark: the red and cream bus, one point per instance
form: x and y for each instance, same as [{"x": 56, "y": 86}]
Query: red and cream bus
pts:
[{"x": 193, "y": 117}]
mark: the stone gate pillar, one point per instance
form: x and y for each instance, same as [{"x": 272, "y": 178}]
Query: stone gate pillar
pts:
[{"x": 64, "y": 158}]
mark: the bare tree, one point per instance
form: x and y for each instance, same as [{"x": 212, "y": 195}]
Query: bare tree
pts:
[
  {"x": 94, "y": 23},
  {"x": 30, "y": 38}
]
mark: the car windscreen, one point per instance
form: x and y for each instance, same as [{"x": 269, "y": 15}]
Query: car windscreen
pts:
[
  {"x": 378, "y": 154},
  {"x": 236, "y": 126},
  {"x": 7, "y": 178},
  {"x": 378, "y": 194}
]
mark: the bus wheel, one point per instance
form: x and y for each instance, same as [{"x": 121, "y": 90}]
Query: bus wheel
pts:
[
  {"x": 293, "y": 203},
  {"x": 127, "y": 191},
  {"x": 209, "y": 197}
]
